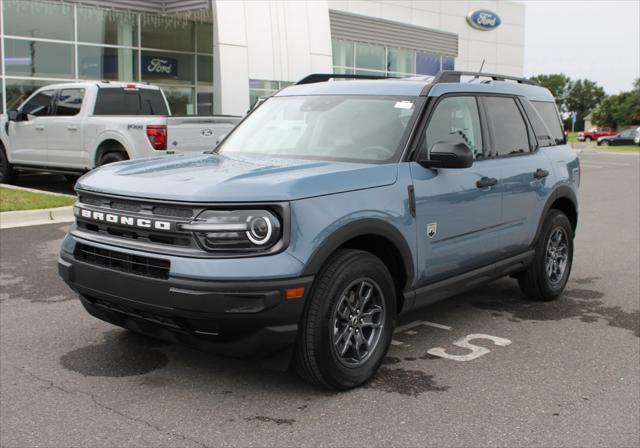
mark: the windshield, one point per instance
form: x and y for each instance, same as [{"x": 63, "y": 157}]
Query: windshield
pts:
[{"x": 344, "y": 128}]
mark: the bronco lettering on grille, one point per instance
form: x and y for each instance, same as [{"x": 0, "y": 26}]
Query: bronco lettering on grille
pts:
[{"x": 124, "y": 220}]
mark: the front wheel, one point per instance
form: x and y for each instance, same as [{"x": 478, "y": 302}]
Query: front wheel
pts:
[
  {"x": 549, "y": 272},
  {"x": 348, "y": 321},
  {"x": 588, "y": 139},
  {"x": 603, "y": 143}
]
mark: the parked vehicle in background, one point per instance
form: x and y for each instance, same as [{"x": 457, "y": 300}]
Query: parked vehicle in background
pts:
[
  {"x": 330, "y": 210},
  {"x": 627, "y": 137},
  {"x": 594, "y": 134},
  {"x": 73, "y": 127}
]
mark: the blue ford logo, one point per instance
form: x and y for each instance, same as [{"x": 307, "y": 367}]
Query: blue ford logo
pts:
[{"x": 484, "y": 20}]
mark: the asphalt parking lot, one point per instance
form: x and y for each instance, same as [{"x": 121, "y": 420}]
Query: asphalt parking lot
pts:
[{"x": 559, "y": 374}]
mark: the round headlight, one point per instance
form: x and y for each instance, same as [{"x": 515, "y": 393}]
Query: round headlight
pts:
[{"x": 259, "y": 229}]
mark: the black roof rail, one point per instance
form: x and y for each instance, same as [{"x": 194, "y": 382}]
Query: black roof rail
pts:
[
  {"x": 455, "y": 75},
  {"x": 322, "y": 77}
]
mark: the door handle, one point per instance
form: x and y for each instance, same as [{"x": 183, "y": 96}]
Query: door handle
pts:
[
  {"x": 39, "y": 128},
  {"x": 72, "y": 128},
  {"x": 540, "y": 173},
  {"x": 486, "y": 182}
]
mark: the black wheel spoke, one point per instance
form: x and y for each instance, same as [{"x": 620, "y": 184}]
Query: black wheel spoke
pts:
[
  {"x": 556, "y": 255},
  {"x": 357, "y": 321}
]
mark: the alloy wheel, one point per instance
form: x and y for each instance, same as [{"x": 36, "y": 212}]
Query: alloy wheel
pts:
[
  {"x": 358, "y": 321},
  {"x": 557, "y": 255}
]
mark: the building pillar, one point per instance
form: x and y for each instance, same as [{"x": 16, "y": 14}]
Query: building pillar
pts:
[
  {"x": 125, "y": 61},
  {"x": 230, "y": 58}
]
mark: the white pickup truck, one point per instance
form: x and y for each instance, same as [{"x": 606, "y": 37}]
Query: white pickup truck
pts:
[{"x": 73, "y": 127}]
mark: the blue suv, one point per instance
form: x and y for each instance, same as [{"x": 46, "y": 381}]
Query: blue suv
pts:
[{"x": 331, "y": 209}]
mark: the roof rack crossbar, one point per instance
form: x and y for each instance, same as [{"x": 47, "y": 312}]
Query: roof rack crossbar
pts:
[
  {"x": 455, "y": 75},
  {"x": 322, "y": 77}
]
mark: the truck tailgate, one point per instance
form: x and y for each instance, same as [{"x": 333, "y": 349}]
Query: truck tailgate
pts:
[{"x": 197, "y": 134}]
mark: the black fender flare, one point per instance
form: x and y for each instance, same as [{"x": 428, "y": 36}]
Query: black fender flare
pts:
[
  {"x": 563, "y": 191},
  {"x": 361, "y": 227}
]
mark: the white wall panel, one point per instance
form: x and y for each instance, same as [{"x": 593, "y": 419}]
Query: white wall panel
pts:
[
  {"x": 296, "y": 34},
  {"x": 230, "y": 26},
  {"x": 428, "y": 19},
  {"x": 427, "y": 5},
  {"x": 260, "y": 40}
]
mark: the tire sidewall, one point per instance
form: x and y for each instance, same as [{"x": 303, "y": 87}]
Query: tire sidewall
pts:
[
  {"x": 112, "y": 157},
  {"x": 556, "y": 219},
  {"x": 364, "y": 265},
  {"x": 7, "y": 174}
]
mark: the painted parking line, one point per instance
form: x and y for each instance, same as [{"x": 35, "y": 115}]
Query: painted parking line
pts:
[{"x": 418, "y": 323}]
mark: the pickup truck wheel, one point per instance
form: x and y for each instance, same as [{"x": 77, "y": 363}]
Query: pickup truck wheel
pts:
[
  {"x": 348, "y": 321},
  {"x": 588, "y": 139},
  {"x": 112, "y": 157},
  {"x": 7, "y": 173},
  {"x": 547, "y": 276}
]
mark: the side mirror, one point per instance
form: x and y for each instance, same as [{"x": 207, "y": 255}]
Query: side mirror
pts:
[
  {"x": 14, "y": 115},
  {"x": 448, "y": 155}
]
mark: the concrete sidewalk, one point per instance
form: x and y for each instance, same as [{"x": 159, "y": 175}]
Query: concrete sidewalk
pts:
[{"x": 23, "y": 218}]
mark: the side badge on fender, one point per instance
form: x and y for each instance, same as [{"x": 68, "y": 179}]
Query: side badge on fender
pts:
[{"x": 432, "y": 228}]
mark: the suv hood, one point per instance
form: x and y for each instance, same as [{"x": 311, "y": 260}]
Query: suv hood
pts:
[{"x": 225, "y": 178}]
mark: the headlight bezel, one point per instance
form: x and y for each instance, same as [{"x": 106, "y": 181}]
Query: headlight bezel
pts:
[{"x": 279, "y": 211}]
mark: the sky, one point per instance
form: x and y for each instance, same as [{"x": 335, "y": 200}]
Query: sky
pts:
[{"x": 598, "y": 40}]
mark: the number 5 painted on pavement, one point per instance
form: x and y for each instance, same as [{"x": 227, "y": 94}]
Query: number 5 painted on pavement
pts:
[{"x": 476, "y": 351}]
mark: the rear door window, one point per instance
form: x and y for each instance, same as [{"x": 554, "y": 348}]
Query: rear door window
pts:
[
  {"x": 40, "y": 105},
  {"x": 120, "y": 101},
  {"x": 507, "y": 127},
  {"x": 69, "y": 102},
  {"x": 549, "y": 114}
]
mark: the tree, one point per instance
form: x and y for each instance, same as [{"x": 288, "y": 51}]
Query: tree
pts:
[
  {"x": 584, "y": 96},
  {"x": 558, "y": 84},
  {"x": 619, "y": 110}
]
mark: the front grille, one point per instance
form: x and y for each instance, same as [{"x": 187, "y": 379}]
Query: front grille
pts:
[
  {"x": 135, "y": 206},
  {"x": 175, "y": 241},
  {"x": 123, "y": 262}
]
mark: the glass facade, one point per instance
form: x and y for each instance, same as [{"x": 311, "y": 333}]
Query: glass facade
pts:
[
  {"x": 366, "y": 59},
  {"x": 261, "y": 88},
  {"x": 45, "y": 42}
]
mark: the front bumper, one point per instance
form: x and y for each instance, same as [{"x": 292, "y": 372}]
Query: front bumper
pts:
[{"x": 239, "y": 318}]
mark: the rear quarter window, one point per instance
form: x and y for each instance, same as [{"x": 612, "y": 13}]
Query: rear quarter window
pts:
[
  {"x": 119, "y": 101},
  {"x": 544, "y": 136},
  {"x": 549, "y": 114}
]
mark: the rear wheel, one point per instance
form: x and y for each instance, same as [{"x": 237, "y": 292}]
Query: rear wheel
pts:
[
  {"x": 7, "y": 173},
  {"x": 588, "y": 139},
  {"x": 112, "y": 157},
  {"x": 603, "y": 143},
  {"x": 547, "y": 276},
  {"x": 348, "y": 321}
]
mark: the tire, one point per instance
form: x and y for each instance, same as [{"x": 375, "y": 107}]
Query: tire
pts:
[
  {"x": 604, "y": 143},
  {"x": 72, "y": 178},
  {"x": 330, "y": 310},
  {"x": 7, "y": 173},
  {"x": 537, "y": 283},
  {"x": 112, "y": 157},
  {"x": 588, "y": 139}
]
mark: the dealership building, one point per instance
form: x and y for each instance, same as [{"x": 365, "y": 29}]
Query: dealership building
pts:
[{"x": 219, "y": 56}]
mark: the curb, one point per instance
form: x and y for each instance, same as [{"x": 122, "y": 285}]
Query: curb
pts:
[
  {"x": 34, "y": 190},
  {"x": 24, "y": 218}
]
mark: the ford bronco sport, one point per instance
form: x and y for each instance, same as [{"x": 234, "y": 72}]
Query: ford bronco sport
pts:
[{"x": 331, "y": 209}]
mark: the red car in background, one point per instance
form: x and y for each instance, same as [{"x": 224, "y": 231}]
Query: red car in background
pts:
[{"x": 594, "y": 134}]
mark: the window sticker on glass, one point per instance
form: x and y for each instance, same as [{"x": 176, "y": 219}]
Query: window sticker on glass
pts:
[{"x": 403, "y": 105}]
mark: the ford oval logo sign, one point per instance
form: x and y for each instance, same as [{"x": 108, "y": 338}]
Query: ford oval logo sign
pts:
[{"x": 484, "y": 20}]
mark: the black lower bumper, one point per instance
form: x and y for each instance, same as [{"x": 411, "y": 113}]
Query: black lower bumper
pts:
[{"x": 239, "y": 319}]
